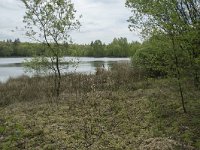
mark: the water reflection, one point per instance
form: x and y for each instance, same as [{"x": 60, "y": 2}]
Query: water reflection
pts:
[{"x": 12, "y": 65}]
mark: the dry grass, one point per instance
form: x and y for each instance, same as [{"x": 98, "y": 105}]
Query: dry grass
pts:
[
  {"x": 110, "y": 110},
  {"x": 41, "y": 88}
]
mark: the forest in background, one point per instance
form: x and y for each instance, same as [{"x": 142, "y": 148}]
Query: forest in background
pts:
[{"x": 119, "y": 47}]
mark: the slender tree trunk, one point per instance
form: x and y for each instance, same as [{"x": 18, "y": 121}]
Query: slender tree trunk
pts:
[
  {"x": 58, "y": 77},
  {"x": 178, "y": 76},
  {"x": 181, "y": 94}
]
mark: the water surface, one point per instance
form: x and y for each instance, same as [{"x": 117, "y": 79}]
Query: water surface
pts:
[{"x": 12, "y": 67}]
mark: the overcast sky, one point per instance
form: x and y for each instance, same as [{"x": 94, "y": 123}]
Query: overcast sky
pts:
[{"x": 102, "y": 19}]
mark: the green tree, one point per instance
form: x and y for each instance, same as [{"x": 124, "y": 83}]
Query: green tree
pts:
[
  {"x": 153, "y": 57},
  {"x": 6, "y": 49},
  {"x": 178, "y": 20},
  {"x": 16, "y": 44},
  {"x": 97, "y": 49},
  {"x": 134, "y": 46},
  {"x": 49, "y": 22},
  {"x": 119, "y": 47}
]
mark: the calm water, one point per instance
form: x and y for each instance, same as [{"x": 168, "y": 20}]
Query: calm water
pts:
[{"x": 12, "y": 67}]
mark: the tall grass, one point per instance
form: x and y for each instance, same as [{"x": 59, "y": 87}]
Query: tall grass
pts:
[{"x": 37, "y": 88}]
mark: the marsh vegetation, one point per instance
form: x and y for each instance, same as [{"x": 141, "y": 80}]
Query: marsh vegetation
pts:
[{"x": 116, "y": 109}]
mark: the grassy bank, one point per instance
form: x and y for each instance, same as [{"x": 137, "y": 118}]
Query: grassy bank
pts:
[{"x": 117, "y": 109}]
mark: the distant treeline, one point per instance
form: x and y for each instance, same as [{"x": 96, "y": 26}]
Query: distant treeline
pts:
[{"x": 119, "y": 47}]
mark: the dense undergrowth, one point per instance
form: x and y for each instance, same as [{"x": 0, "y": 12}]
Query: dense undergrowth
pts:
[{"x": 116, "y": 109}]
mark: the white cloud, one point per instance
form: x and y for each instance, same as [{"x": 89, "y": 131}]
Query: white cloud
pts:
[
  {"x": 11, "y": 14},
  {"x": 103, "y": 19}
]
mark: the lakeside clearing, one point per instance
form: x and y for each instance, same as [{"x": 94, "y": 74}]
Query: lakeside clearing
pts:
[{"x": 116, "y": 109}]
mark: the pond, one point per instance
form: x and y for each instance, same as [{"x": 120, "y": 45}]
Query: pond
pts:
[{"x": 13, "y": 67}]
